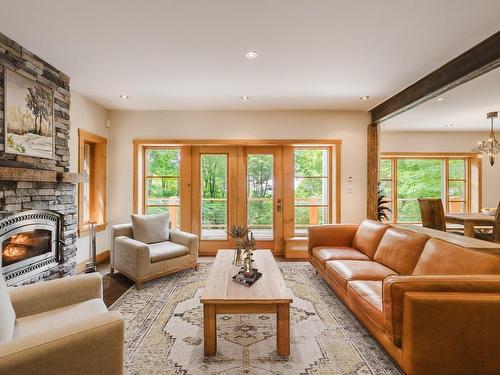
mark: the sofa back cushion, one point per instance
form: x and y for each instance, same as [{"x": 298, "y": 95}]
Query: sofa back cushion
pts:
[
  {"x": 368, "y": 236},
  {"x": 7, "y": 314},
  {"x": 400, "y": 250},
  {"x": 442, "y": 258},
  {"x": 150, "y": 228}
]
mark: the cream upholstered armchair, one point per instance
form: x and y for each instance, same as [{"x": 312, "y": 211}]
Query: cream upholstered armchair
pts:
[
  {"x": 147, "y": 248},
  {"x": 59, "y": 327}
]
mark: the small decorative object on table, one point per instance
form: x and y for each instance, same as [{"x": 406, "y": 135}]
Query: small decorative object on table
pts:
[
  {"x": 239, "y": 233},
  {"x": 248, "y": 274}
]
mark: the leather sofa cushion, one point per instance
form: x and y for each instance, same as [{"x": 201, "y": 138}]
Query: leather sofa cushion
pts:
[
  {"x": 150, "y": 228},
  {"x": 400, "y": 250},
  {"x": 368, "y": 237},
  {"x": 367, "y": 295},
  {"x": 7, "y": 313},
  {"x": 324, "y": 254},
  {"x": 343, "y": 271},
  {"x": 39, "y": 323},
  {"x": 442, "y": 258},
  {"x": 166, "y": 250}
]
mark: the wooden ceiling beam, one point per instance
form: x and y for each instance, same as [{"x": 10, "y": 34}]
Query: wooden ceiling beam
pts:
[{"x": 478, "y": 60}]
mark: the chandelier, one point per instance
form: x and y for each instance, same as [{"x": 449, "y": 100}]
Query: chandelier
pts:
[{"x": 491, "y": 147}]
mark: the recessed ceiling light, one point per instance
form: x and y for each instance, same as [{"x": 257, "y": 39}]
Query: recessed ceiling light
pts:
[
  {"x": 440, "y": 99},
  {"x": 449, "y": 125},
  {"x": 244, "y": 97},
  {"x": 251, "y": 54},
  {"x": 366, "y": 97},
  {"x": 123, "y": 96}
]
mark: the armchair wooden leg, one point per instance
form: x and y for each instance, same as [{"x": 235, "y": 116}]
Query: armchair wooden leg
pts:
[
  {"x": 197, "y": 267},
  {"x": 138, "y": 285},
  {"x": 111, "y": 270}
]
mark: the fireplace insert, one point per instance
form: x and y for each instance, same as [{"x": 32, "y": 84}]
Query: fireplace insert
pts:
[{"x": 29, "y": 241}]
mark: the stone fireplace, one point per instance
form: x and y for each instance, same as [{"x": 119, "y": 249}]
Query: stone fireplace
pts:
[{"x": 38, "y": 212}]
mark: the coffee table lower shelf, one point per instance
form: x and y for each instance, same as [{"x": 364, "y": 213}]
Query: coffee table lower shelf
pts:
[{"x": 282, "y": 311}]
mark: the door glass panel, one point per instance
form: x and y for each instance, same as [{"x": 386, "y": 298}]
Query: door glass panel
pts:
[
  {"x": 260, "y": 190},
  {"x": 214, "y": 197}
]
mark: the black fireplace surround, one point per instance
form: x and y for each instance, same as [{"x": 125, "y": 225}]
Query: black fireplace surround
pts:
[{"x": 30, "y": 244}]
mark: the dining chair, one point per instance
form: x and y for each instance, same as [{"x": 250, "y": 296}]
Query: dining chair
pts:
[
  {"x": 432, "y": 215},
  {"x": 493, "y": 235}
]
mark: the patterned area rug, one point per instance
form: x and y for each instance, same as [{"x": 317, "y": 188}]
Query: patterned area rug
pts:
[{"x": 164, "y": 331}]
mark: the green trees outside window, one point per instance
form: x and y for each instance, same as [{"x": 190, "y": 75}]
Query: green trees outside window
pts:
[
  {"x": 311, "y": 188},
  {"x": 162, "y": 170},
  {"x": 260, "y": 191},
  {"x": 213, "y": 196},
  {"x": 429, "y": 177}
]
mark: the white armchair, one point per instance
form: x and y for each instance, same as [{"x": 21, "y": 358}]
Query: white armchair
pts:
[
  {"x": 142, "y": 262},
  {"x": 59, "y": 327}
]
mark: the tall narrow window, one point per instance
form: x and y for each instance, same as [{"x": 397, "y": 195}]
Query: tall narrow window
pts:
[
  {"x": 214, "y": 196},
  {"x": 457, "y": 185},
  {"x": 92, "y": 190},
  {"x": 161, "y": 183},
  {"x": 260, "y": 188},
  {"x": 386, "y": 182},
  {"x": 311, "y": 188}
]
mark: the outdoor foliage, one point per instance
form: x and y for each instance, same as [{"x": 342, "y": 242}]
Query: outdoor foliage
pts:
[
  {"x": 260, "y": 191},
  {"x": 214, "y": 190},
  {"x": 310, "y": 164},
  {"x": 311, "y": 186},
  {"x": 421, "y": 178}
]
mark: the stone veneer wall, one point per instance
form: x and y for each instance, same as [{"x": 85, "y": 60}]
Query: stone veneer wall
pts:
[{"x": 16, "y": 196}]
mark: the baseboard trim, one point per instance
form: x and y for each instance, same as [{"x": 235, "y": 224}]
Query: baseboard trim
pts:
[{"x": 101, "y": 257}]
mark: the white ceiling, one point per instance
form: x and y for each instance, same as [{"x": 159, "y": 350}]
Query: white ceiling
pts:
[
  {"x": 465, "y": 107},
  {"x": 317, "y": 54}
]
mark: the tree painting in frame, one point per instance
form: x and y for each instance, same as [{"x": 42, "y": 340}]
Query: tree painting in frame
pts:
[{"x": 29, "y": 127}]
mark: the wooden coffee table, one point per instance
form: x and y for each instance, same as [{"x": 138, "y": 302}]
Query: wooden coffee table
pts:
[{"x": 269, "y": 295}]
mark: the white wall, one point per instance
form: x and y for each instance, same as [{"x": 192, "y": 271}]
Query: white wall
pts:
[
  {"x": 349, "y": 126},
  {"x": 87, "y": 115},
  {"x": 446, "y": 142}
]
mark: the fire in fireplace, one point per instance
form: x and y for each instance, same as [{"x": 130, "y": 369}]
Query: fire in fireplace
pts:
[
  {"x": 26, "y": 245},
  {"x": 30, "y": 244}
]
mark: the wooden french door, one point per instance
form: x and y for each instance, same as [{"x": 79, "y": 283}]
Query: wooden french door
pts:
[
  {"x": 260, "y": 181},
  {"x": 237, "y": 185}
]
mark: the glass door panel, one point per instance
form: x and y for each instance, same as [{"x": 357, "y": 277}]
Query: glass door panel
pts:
[
  {"x": 214, "y": 195},
  {"x": 260, "y": 195},
  {"x": 260, "y": 183}
]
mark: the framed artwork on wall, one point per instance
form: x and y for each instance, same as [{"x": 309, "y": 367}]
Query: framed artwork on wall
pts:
[{"x": 29, "y": 109}]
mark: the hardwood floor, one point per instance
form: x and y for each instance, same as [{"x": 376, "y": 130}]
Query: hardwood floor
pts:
[{"x": 116, "y": 284}]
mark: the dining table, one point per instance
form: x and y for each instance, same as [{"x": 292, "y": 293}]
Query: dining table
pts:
[{"x": 470, "y": 221}]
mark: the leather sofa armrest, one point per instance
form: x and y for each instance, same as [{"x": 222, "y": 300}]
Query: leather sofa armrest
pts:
[
  {"x": 189, "y": 240},
  {"x": 396, "y": 286},
  {"x": 90, "y": 346},
  {"x": 330, "y": 235},
  {"x": 40, "y": 297},
  {"x": 457, "y": 333}
]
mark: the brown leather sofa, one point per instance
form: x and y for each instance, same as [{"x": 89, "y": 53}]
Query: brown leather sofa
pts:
[{"x": 433, "y": 306}]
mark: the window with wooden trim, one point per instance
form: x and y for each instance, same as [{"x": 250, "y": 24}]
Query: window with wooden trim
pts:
[
  {"x": 162, "y": 182},
  {"x": 405, "y": 178},
  {"x": 92, "y": 190},
  {"x": 311, "y": 188}
]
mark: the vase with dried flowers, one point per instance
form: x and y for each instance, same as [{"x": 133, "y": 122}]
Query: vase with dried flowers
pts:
[{"x": 239, "y": 233}]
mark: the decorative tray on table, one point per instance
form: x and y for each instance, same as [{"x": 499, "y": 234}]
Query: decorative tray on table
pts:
[{"x": 240, "y": 278}]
